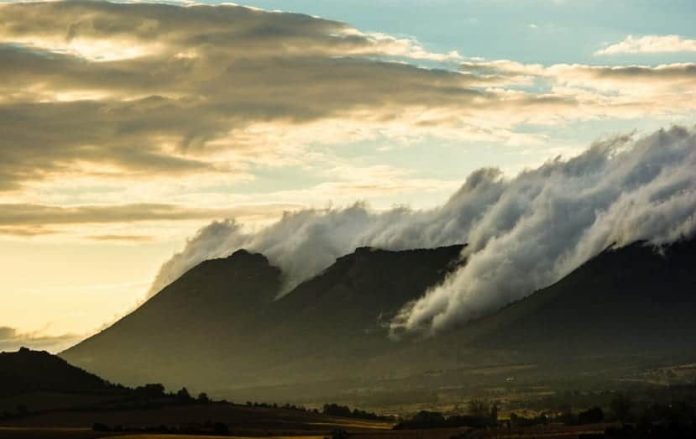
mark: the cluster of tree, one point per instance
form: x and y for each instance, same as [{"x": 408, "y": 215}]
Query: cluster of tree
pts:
[
  {"x": 156, "y": 391},
  {"x": 148, "y": 395},
  {"x": 522, "y": 421},
  {"x": 328, "y": 409},
  {"x": 480, "y": 414},
  {"x": 208, "y": 428},
  {"x": 671, "y": 419},
  {"x": 428, "y": 419},
  {"x": 345, "y": 412},
  {"x": 592, "y": 415},
  {"x": 638, "y": 416},
  {"x": 638, "y": 397},
  {"x": 286, "y": 406},
  {"x": 150, "y": 391}
]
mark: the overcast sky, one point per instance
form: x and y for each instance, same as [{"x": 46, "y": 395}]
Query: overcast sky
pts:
[{"x": 124, "y": 128}]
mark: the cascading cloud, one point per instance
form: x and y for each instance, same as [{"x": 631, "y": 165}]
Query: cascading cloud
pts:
[{"x": 523, "y": 233}]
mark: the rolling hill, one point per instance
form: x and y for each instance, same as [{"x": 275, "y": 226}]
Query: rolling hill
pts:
[
  {"x": 33, "y": 381},
  {"x": 41, "y": 395},
  {"x": 30, "y": 371}
]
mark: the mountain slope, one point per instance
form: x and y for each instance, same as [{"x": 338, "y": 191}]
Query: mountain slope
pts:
[
  {"x": 30, "y": 371},
  {"x": 629, "y": 298},
  {"x": 185, "y": 325},
  {"x": 218, "y": 327},
  {"x": 363, "y": 288},
  {"x": 625, "y": 311},
  {"x": 42, "y": 395},
  {"x": 35, "y": 381},
  {"x": 627, "y": 308}
]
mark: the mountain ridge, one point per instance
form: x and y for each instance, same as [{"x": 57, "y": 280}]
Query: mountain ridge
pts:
[
  {"x": 327, "y": 337},
  {"x": 200, "y": 308}
]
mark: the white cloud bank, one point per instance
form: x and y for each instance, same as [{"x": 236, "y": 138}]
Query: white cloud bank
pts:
[
  {"x": 650, "y": 44},
  {"x": 523, "y": 233}
]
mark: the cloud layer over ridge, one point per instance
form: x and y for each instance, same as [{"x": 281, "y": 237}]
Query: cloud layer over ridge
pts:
[{"x": 524, "y": 233}]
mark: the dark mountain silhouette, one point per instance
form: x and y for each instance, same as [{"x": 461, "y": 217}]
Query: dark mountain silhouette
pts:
[
  {"x": 624, "y": 311},
  {"x": 218, "y": 324},
  {"x": 218, "y": 328},
  {"x": 366, "y": 286},
  {"x": 184, "y": 327},
  {"x": 36, "y": 381},
  {"x": 31, "y": 371},
  {"x": 41, "y": 395},
  {"x": 633, "y": 298}
]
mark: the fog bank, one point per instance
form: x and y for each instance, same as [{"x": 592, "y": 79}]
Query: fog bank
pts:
[{"x": 524, "y": 233}]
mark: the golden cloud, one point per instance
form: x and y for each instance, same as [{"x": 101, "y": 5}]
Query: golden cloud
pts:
[{"x": 154, "y": 89}]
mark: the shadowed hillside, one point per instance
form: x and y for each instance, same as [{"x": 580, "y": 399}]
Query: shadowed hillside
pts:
[
  {"x": 30, "y": 371},
  {"x": 183, "y": 328},
  {"x": 623, "y": 312},
  {"x": 217, "y": 328},
  {"x": 43, "y": 396},
  {"x": 631, "y": 299},
  {"x": 33, "y": 381}
]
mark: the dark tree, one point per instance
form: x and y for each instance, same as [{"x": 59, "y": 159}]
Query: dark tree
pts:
[
  {"x": 337, "y": 410},
  {"x": 591, "y": 416},
  {"x": 429, "y": 419},
  {"x": 479, "y": 408},
  {"x": 183, "y": 395},
  {"x": 153, "y": 390}
]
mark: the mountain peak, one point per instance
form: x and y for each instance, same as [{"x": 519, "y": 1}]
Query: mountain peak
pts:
[
  {"x": 228, "y": 277},
  {"x": 370, "y": 282},
  {"x": 25, "y": 352},
  {"x": 241, "y": 257},
  {"x": 242, "y": 252}
]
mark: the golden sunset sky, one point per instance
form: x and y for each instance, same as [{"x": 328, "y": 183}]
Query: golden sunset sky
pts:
[{"x": 126, "y": 127}]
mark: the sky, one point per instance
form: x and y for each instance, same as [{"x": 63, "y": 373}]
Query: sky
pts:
[{"x": 125, "y": 128}]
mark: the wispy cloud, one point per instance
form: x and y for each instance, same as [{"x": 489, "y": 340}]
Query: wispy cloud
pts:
[
  {"x": 121, "y": 238},
  {"x": 19, "y": 217},
  {"x": 650, "y": 44}
]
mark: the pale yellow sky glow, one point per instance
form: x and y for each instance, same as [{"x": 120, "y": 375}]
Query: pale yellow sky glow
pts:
[{"x": 124, "y": 128}]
